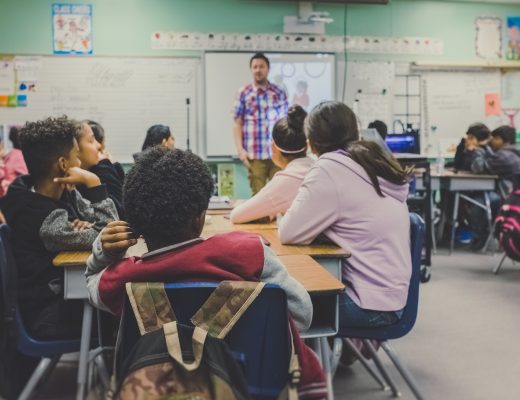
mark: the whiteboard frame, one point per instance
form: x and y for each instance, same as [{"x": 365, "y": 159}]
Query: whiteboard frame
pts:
[{"x": 204, "y": 141}]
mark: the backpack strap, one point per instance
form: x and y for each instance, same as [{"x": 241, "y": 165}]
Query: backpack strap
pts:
[
  {"x": 224, "y": 307},
  {"x": 151, "y": 306},
  {"x": 171, "y": 334},
  {"x": 290, "y": 391}
]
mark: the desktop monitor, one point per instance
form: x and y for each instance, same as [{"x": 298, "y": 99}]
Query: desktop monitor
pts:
[{"x": 407, "y": 142}]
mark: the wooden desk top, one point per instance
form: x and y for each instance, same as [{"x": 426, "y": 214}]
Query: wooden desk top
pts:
[
  {"x": 311, "y": 274},
  {"x": 317, "y": 251},
  {"x": 219, "y": 223},
  {"x": 269, "y": 231},
  {"x": 304, "y": 269},
  {"x": 450, "y": 173}
]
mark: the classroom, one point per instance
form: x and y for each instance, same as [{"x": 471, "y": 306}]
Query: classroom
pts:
[{"x": 267, "y": 199}]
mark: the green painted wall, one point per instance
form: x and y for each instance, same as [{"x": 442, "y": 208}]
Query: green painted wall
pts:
[{"x": 123, "y": 27}]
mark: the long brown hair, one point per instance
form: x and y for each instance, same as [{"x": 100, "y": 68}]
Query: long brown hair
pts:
[
  {"x": 377, "y": 164},
  {"x": 332, "y": 126}
]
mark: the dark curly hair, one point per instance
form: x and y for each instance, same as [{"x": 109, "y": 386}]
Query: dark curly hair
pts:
[
  {"x": 43, "y": 142},
  {"x": 164, "y": 192},
  {"x": 14, "y": 134}
]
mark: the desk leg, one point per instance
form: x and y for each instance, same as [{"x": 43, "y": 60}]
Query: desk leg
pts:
[
  {"x": 490, "y": 221},
  {"x": 86, "y": 329},
  {"x": 325, "y": 354},
  {"x": 454, "y": 220}
]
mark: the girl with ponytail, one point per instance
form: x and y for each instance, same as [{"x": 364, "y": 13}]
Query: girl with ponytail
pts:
[{"x": 289, "y": 147}]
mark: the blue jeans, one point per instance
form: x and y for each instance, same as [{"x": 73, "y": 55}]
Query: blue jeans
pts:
[{"x": 353, "y": 316}]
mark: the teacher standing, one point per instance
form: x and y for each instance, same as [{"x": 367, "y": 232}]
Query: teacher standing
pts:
[{"x": 259, "y": 105}]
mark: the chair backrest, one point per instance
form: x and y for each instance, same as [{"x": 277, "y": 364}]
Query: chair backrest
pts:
[
  {"x": 25, "y": 343},
  {"x": 407, "y": 321},
  {"x": 260, "y": 340}
]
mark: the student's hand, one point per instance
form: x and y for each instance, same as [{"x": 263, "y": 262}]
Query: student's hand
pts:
[
  {"x": 79, "y": 225},
  {"x": 471, "y": 143},
  {"x": 78, "y": 176},
  {"x": 117, "y": 237},
  {"x": 242, "y": 154}
]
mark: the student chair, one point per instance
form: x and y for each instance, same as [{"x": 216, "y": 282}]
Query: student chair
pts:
[
  {"x": 404, "y": 325},
  {"x": 49, "y": 351},
  {"x": 260, "y": 340}
]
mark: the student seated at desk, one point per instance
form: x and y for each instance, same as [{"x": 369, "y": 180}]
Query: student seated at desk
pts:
[
  {"x": 166, "y": 195},
  {"x": 46, "y": 217},
  {"x": 356, "y": 197},
  {"x": 12, "y": 164},
  {"x": 92, "y": 159},
  {"x": 157, "y": 135},
  {"x": 504, "y": 161},
  {"x": 99, "y": 134},
  {"x": 474, "y": 145},
  {"x": 290, "y": 154}
]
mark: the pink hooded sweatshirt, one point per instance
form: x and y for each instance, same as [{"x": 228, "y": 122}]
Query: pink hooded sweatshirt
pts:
[
  {"x": 338, "y": 199},
  {"x": 275, "y": 197}
]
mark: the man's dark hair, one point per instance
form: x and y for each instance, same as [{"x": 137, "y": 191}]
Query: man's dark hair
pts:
[
  {"x": 14, "y": 133},
  {"x": 480, "y": 131},
  {"x": 155, "y": 135},
  {"x": 164, "y": 192},
  {"x": 43, "y": 142},
  {"x": 260, "y": 56},
  {"x": 97, "y": 130},
  {"x": 506, "y": 133},
  {"x": 380, "y": 127}
]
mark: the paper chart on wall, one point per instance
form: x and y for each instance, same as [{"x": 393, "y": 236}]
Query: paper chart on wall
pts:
[
  {"x": 374, "y": 106},
  {"x": 72, "y": 28},
  {"x": 510, "y": 92},
  {"x": 7, "y": 77},
  {"x": 488, "y": 41},
  {"x": 161, "y": 40}
]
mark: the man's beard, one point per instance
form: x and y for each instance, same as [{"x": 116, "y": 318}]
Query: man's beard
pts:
[{"x": 261, "y": 82}]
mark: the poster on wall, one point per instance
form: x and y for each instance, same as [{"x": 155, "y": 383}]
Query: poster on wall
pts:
[
  {"x": 72, "y": 28},
  {"x": 488, "y": 40},
  {"x": 513, "y": 38}
]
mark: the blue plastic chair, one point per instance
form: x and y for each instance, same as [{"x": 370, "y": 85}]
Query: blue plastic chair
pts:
[
  {"x": 49, "y": 351},
  {"x": 407, "y": 321},
  {"x": 259, "y": 341}
]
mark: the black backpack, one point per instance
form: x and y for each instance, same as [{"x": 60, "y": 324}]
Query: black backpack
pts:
[{"x": 171, "y": 360}]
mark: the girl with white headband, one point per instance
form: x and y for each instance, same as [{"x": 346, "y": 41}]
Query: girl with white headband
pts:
[{"x": 289, "y": 146}]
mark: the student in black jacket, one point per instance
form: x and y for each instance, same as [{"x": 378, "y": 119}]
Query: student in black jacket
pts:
[
  {"x": 94, "y": 160},
  {"x": 47, "y": 216},
  {"x": 474, "y": 145},
  {"x": 99, "y": 134}
]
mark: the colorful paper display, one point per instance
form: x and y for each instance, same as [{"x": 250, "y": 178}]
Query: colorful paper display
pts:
[{"x": 72, "y": 28}]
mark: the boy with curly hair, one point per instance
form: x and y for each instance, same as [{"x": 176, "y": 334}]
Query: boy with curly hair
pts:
[
  {"x": 47, "y": 216},
  {"x": 165, "y": 196}
]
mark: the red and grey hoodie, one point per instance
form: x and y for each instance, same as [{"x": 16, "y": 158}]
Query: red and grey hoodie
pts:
[{"x": 229, "y": 256}]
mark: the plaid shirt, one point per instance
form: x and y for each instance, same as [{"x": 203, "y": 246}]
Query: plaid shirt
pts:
[{"x": 259, "y": 109}]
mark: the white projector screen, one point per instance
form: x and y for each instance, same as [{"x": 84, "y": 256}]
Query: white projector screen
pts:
[{"x": 226, "y": 73}]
